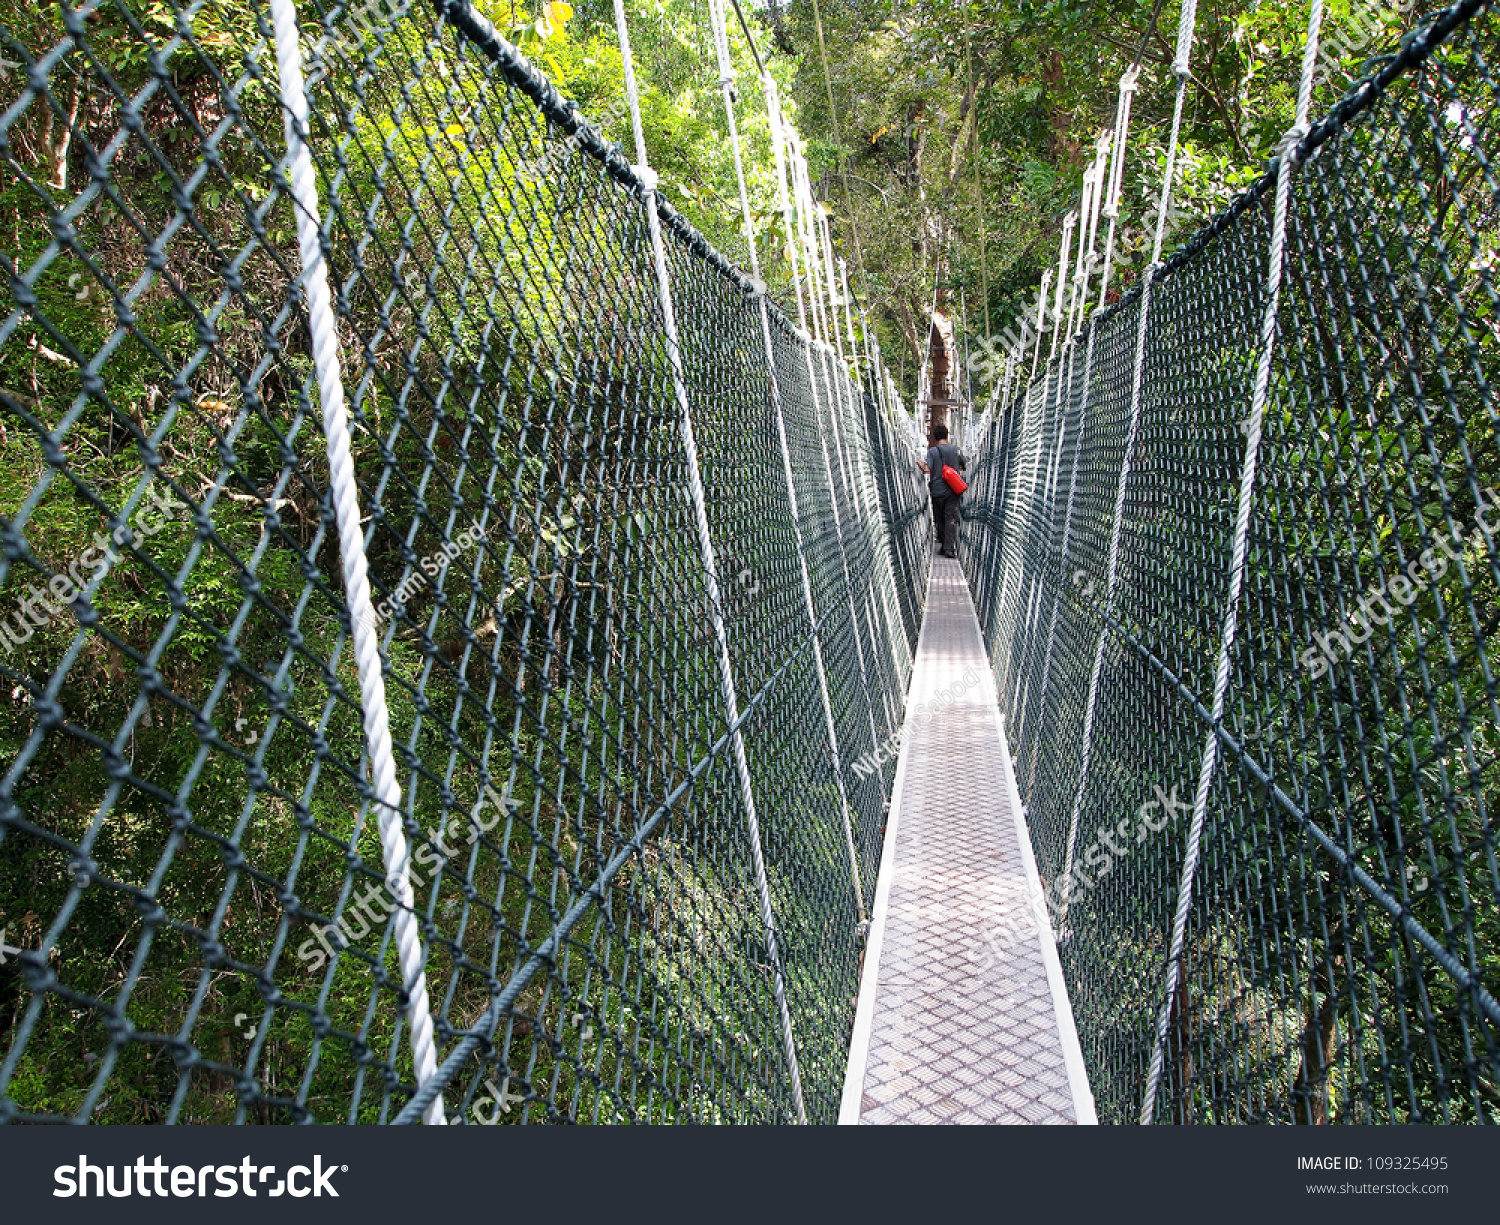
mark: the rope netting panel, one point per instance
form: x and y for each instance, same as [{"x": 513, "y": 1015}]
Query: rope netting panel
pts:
[
  {"x": 197, "y": 924},
  {"x": 1340, "y": 956}
]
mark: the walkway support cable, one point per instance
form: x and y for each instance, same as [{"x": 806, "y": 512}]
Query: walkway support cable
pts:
[
  {"x": 710, "y": 566},
  {"x": 1117, "y": 174},
  {"x": 1289, "y": 154},
  {"x": 790, "y": 160},
  {"x": 726, "y": 85},
  {"x": 1180, "y": 68},
  {"x": 344, "y": 492}
]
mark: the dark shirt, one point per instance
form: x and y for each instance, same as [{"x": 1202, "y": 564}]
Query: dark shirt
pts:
[{"x": 943, "y": 453}]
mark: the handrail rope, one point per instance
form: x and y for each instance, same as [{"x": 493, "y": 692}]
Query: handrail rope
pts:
[
  {"x": 1237, "y": 560},
  {"x": 1180, "y": 67},
  {"x": 726, "y": 83},
  {"x": 481, "y": 33},
  {"x": 710, "y": 565},
  {"x": 344, "y": 493}
]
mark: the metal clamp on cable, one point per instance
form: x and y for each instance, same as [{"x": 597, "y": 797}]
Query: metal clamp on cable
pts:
[
  {"x": 648, "y": 177},
  {"x": 1290, "y": 145},
  {"x": 757, "y": 287}
]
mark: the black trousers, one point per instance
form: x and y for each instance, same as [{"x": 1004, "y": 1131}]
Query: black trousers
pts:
[{"x": 945, "y": 517}]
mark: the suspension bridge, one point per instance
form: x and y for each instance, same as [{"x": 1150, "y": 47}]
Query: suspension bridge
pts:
[{"x": 476, "y": 656}]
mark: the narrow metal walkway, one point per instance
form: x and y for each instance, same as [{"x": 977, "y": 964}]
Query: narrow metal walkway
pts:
[{"x": 963, "y": 1016}]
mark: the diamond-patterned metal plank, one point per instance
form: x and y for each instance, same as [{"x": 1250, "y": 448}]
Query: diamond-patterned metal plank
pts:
[{"x": 961, "y": 1018}]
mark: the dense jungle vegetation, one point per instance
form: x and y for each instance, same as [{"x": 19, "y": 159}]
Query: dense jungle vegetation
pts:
[{"x": 202, "y": 739}]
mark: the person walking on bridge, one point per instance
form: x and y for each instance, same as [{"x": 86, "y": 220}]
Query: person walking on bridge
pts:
[{"x": 944, "y": 500}]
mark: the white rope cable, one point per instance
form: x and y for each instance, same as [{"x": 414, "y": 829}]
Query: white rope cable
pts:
[
  {"x": 1180, "y": 68},
  {"x": 900, "y": 649},
  {"x": 344, "y": 492},
  {"x": 1041, "y": 323},
  {"x": 719, "y": 23},
  {"x": 710, "y": 565},
  {"x": 801, "y": 197},
  {"x": 1063, "y": 382},
  {"x": 1258, "y": 395},
  {"x": 1088, "y": 366},
  {"x": 1088, "y": 235},
  {"x": 833, "y": 356},
  {"x": 1069, "y": 222},
  {"x": 1117, "y": 172},
  {"x": 866, "y": 480},
  {"x": 1080, "y": 255},
  {"x": 1085, "y": 206}
]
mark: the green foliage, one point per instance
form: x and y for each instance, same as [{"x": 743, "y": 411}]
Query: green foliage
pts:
[{"x": 965, "y": 129}]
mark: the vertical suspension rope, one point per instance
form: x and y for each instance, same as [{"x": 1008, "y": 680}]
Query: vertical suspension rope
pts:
[
  {"x": 866, "y": 488},
  {"x": 719, "y": 24},
  {"x": 1180, "y": 69},
  {"x": 984, "y": 278},
  {"x": 344, "y": 492},
  {"x": 833, "y": 128},
  {"x": 1041, "y": 324},
  {"x": 1069, "y": 222},
  {"x": 1289, "y": 149},
  {"x": 1087, "y": 256},
  {"x": 1062, "y": 562},
  {"x": 1117, "y": 172},
  {"x": 710, "y": 567},
  {"x": 806, "y": 228}
]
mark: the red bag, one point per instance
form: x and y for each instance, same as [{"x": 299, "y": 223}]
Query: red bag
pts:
[{"x": 955, "y": 482}]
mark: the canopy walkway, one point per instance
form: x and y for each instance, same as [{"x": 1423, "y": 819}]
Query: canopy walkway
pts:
[{"x": 469, "y": 643}]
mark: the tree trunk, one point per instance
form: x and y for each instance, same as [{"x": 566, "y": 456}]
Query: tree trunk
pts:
[{"x": 1310, "y": 1089}]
